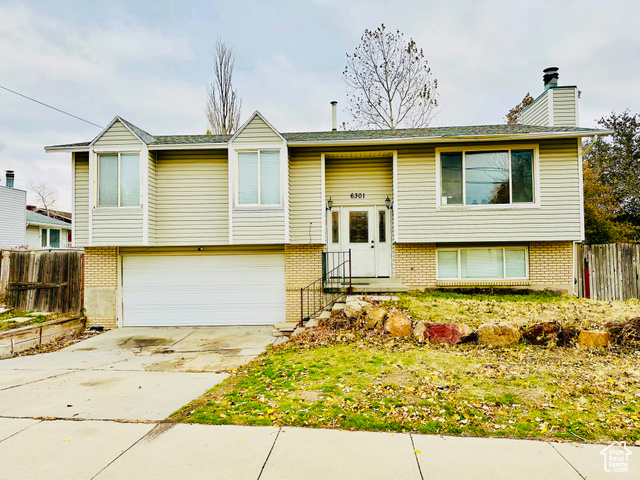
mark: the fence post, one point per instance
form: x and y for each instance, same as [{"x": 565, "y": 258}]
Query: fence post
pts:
[
  {"x": 587, "y": 289},
  {"x": 4, "y": 273}
]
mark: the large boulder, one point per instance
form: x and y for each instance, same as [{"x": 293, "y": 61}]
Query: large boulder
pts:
[
  {"x": 594, "y": 339},
  {"x": 420, "y": 331},
  {"x": 373, "y": 316},
  {"x": 546, "y": 333},
  {"x": 353, "y": 307},
  {"x": 498, "y": 334},
  {"x": 398, "y": 324},
  {"x": 447, "y": 332}
]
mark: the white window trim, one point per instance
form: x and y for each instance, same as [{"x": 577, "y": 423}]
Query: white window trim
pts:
[
  {"x": 118, "y": 207},
  {"x": 504, "y": 264},
  {"x": 48, "y": 230},
  {"x": 501, "y": 206},
  {"x": 252, "y": 206}
]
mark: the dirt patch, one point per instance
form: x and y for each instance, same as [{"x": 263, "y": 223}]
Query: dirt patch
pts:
[
  {"x": 141, "y": 342},
  {"x": 399, "y": 378},
  {"x": 309, "y": 396}
]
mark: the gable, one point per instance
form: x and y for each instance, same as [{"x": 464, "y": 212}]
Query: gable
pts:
[
  {"x": 117, "y": 136},
  {"x": 257, "y": 132}
]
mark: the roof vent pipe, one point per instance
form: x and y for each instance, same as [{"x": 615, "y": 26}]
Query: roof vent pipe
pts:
[
  {"x": 550, "y": 77},
  {"x": 334, "y": 116},
  {"x": 10, "y": 177}
]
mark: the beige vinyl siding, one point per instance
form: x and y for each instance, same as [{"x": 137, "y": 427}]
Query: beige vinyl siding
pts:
[
  {"x": 192, "y": 198},
  {"x": 152, "y": 197},
  {"x": 257, "y": 132},
  {"x": 116, "y": 226},
  {"x": 117, "y": 136},
  {"x": 557, "y": 218},
  {"x": 258, "y": 225},
  {"x": 81, "y": 200},
  {"x": 538, "y": 112},
  {"x": 33, "y": 236},
  {"x": 371, "y": 176},
  {"x": 564, "y": 107},
  {"x": 306, "y": 205}
]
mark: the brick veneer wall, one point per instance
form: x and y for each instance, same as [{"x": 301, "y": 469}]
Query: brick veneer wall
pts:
[
  {"x": 416, "y": 264},
  {"x": 551, "y": 264},
  {"x": 303, "y": 265},
  {"x": 101, "y": 285}
]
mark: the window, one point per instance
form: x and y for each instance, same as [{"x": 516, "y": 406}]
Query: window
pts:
[
  {"x": 259, "y": 177},
  {"x": 335, "y": 227},
  {"x": 487, "y": 177},
  {"x": 119, "y": 180},
  {"x": 50, "y": 238},
  {"x": 482, "y": 263}
]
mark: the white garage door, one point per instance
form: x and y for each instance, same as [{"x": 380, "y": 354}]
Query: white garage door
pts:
[{"x": 199, "y": 290}]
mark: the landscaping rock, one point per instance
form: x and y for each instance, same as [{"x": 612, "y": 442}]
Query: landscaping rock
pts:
[
  {"x": 353, "y": 307},
  {"x": 419, "y": 331},
  {"x": 630, "y": 331},
  {"x": 546, "y": 333},
  {"x": 373, "y": 316},
  {"x": 594, "y": 339},
  {"x": 398, "y": 324},
  {"x": 447, "y": 332},
  {"x": 498, "y": 334}
]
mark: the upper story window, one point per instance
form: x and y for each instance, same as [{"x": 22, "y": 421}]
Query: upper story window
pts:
[
  {"x": 487, "y": 177},
  {"x": 259, "y": 177},
  {"x": 119, "y": 180}
]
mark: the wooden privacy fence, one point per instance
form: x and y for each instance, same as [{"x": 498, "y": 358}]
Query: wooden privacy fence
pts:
[
  {"x": 609, "y": 272},
  {"x": 45, "y": 281}
]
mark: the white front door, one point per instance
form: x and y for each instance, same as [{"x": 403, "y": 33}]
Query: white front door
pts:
[
  {"x": 366, "y": 230},
  {"x": 359, "y": 229}
]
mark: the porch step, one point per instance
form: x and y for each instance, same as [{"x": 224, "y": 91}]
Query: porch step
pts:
[
  {"x": 324, "y": 315},
  {"x": 286, "y": 326},
  {"x": 311, "y": 323},
  {"x": 378, "y": 298},
  {"x": 337, "y": 307}
]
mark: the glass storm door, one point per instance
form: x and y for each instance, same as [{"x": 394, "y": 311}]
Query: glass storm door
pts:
[{"x": 360, "y": 238}]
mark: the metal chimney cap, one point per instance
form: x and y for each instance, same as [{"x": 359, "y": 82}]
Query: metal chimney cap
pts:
[
  {"x": 551, "y": 70},
  {"x": 334, "y": 102},
  {"x": 550, "y": 77}
]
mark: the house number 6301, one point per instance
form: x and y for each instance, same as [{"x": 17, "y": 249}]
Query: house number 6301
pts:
[{"x": 357, "y": 195}]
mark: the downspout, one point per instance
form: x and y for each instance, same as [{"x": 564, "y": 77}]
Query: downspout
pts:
[{"x": 590, "y": 146}]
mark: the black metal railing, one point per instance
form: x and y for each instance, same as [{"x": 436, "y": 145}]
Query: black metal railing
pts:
[{"x": 334, "y": 284}]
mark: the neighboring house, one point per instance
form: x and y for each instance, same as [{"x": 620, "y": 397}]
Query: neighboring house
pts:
[
  {"x": 46, "y": 232},
  {"x": 12, "y": 215},
  {"x": 21, "y": 227},
  {"x": 218, "y": 230}
]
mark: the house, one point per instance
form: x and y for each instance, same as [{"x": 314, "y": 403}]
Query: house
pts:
[
  {"x": 226, "y": 230},
  {"x": 20, "y": 226}
]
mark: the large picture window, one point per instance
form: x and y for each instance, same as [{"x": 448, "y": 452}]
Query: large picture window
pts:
[
  {"x": 50, "y": 238},
  {"x": 482, "y": 263},
  {"x": 259, "y": 177},
  {"x": 119, "y": 180},
  {"x": 487, "y": 177}
]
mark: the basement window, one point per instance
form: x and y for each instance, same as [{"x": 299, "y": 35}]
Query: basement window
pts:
[{"x": 481, "y": 263}]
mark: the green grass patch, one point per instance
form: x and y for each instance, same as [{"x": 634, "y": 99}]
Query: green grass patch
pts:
[
  {"x": 6, "y": 322},
  {"x": 357, "y": 381}
]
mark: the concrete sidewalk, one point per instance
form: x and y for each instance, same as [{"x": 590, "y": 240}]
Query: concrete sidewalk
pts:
[{"x": 63, "y": 449}]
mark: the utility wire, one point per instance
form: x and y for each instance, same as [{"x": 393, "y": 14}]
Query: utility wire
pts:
[{"x": 49, "y": 106}]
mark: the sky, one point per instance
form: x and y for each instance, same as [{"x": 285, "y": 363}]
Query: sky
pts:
[{"x": 151, "y": 61}]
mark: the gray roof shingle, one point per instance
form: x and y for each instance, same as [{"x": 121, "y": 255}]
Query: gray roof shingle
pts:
[
  {"x": 364, "y": 135},
  {"x": 34, "y": 218}
]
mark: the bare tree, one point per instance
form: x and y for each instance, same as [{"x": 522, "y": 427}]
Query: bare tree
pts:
[
  {"x": 223, "y": 103},
  {"x": 46, "y": 195},
  {"x": 389, "y": 82},
  {"x": 515, "y": 114}
]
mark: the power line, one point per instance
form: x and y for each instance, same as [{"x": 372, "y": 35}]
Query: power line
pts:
[{"x": 49, "y": 106}]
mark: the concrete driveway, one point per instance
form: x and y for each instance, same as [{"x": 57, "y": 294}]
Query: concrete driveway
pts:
[{"x": 126, "y": 374}]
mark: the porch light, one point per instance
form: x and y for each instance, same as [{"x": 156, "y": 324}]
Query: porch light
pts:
[
  {"x": 388, "y": 203},
  {"x": 329, "y": 204}
]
